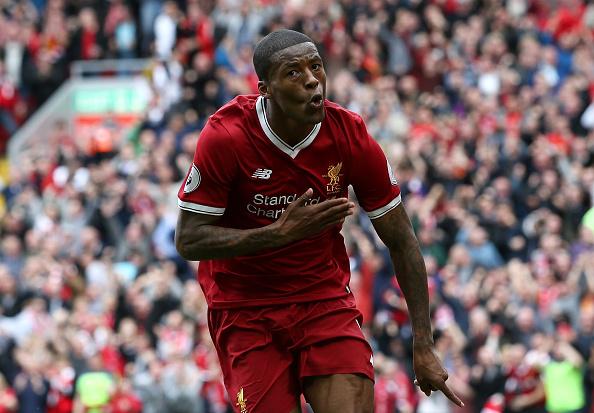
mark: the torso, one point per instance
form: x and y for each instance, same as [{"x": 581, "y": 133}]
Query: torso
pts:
[{"x": 264, "y": 176}]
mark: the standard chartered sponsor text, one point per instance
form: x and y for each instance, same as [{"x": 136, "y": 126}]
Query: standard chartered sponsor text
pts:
[{"x": 261, "y": 204}]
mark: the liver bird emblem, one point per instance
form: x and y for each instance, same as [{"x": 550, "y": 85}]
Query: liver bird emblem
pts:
[
  {"x": 333, "y": 173},
  {"x": 241, "y": 401}
]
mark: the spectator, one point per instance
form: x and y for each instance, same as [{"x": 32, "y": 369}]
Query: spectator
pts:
[
  {"x": 30, "y": 384},
  {"x": 181, "y": 387},
  {"x": 88, "y": 42},
  {"x": 120, "y": 28},
  {"x": 8, "y": 99},
  {"x": 124, "y": 399},
  {"x": 165, "y": 30},
  {"x": 146, "y": 379},
  {"x": 8, "y": 399},
  {"x": 393, "y": 391},
  {"x": 523, "y": 388},
  {"x": 563, "y": 377},
  {"x": 94, "y": 388},
  {"x": 61, "y": 379}
]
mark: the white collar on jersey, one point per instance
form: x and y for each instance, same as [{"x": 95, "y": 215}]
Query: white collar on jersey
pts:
[{"x": 292, "y": 151}]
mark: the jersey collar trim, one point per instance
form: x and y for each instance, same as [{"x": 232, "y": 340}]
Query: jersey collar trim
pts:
[{"x": 292, "y": 151}]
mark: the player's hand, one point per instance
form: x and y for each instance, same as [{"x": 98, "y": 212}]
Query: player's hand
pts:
[
  {"x": 301, "y": 220},
  {"x": 430, "y": 374}
]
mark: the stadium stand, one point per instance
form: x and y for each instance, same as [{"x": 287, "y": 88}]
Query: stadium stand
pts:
[{"x": 485, "y": 108}]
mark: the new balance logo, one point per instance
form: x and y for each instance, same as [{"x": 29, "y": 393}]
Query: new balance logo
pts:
[{"x": 262, "y": 173}]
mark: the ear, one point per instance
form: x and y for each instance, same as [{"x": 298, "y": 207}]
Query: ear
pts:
[{"x": 263, "y": 89}]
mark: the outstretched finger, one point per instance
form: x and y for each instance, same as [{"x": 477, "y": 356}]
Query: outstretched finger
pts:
[{"x": 448, "y": 393}]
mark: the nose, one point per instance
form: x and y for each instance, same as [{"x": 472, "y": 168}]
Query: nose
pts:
[{"x": 311, "y": 82}]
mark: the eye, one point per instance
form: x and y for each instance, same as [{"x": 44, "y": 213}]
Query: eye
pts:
[
  {"x": 316, "y": 66},
  {"x": 292, "y": 73}
]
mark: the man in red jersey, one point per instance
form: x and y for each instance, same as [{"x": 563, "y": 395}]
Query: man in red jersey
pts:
[{"x": 262, "y": 208}]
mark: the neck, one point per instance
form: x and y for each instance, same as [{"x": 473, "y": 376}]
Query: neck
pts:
[{"x": 289, "y": 130}]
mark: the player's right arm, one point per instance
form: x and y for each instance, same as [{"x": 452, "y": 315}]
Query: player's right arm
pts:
[
  {"x": 203, "y": 200},
  {"x": 197, "y": 237}
]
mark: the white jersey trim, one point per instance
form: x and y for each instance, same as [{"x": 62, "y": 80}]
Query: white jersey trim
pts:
[
  {"x": 292, "y": 151},
  {"x": 200, "y": 209},
  {"x": 380, "y": 212}
]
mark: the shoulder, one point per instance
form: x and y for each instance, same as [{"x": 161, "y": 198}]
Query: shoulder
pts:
[
  {"x": 230, "y": 119},
  {"x": 342, "y": 121},
  {"x": 346, "y": 120},
  {"x": 236, "y": 110},
  {"x": 340, "y": 113}
]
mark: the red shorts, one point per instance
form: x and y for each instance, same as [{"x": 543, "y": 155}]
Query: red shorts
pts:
[{"x": 265, "y": 352}]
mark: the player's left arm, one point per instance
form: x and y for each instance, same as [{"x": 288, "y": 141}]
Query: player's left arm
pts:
[
  {"x": 378, "y": 193},
  {"x": 396, "y": 231}
]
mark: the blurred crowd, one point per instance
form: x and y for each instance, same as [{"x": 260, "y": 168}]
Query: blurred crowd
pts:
[{"x": 485, "y": 109}]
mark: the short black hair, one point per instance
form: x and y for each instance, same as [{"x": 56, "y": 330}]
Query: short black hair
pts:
[{"x": 272, "y": 43}]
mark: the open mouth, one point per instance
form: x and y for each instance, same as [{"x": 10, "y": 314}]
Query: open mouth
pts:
[{"x": 317, "y": 100}]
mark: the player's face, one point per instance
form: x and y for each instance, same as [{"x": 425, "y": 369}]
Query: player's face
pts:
[{"x": 298, "y": 83}]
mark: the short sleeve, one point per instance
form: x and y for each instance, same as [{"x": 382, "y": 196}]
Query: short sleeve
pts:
[
  {"x": 208, "y": 181},
  {"x": 372, "y": 177}
]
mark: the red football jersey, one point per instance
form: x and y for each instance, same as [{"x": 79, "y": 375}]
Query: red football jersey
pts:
[{"x": 244, "y": 173}]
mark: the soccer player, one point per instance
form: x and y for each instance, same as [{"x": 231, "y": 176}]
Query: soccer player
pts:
[{"x": 262, "y": 208}]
